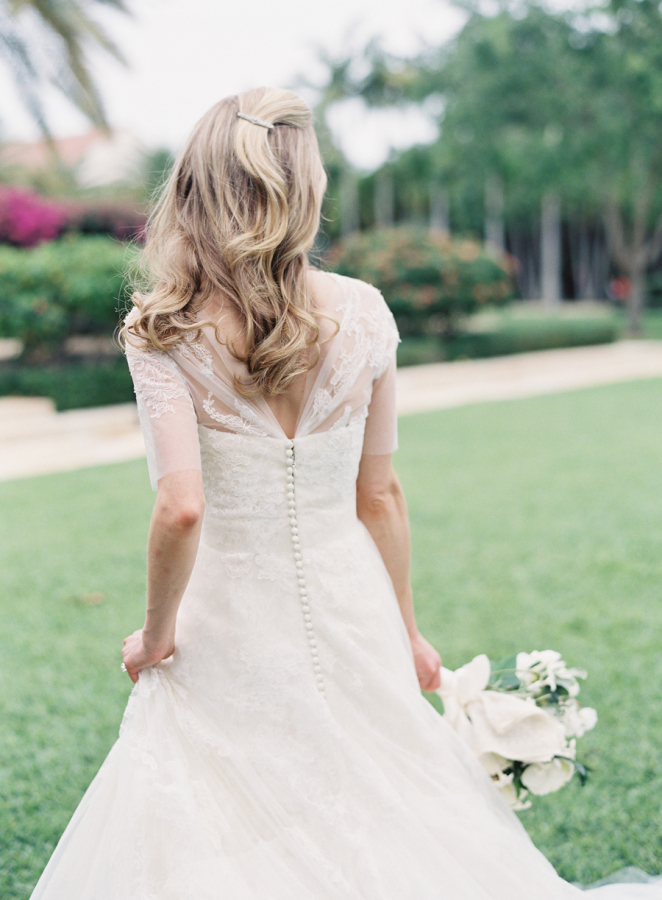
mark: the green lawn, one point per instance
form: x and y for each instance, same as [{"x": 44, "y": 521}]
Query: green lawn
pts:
[{"x": 536, "y": 524}]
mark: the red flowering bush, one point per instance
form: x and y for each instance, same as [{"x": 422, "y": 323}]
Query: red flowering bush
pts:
[
  {"x": 425, "y": 275},
  {"x": 26, "y": 219}
]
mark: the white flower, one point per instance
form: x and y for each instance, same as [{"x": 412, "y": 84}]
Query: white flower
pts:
[
  {"x": 509, "y": 792},
  {"x": 458, "y": 689},
  {"x": 545, "y": 668},
  {"x": 576, "y": 719},
  {"x": 532, "y": 727},
  {"x": 540, "y": 659},
  {"x": 523, "y": 669},
  {"x": 508, "y": 725},
  {"x": 545, "y": 778},
  {"x": 589, "y": 718},
  {"x": 493, "y": 763}
]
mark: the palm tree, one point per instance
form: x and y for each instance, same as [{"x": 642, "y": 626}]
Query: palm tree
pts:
[{"x": 46, "y": 42}]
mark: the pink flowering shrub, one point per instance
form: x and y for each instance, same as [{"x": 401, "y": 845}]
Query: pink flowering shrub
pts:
[
  {"x": 425, "y": 275},
  {"x": 27, "y": 219}
]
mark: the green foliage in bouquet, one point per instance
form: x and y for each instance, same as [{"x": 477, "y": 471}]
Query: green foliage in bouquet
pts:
[
  {"x": 428, "y": 279},
  {"x": 71, "y": 286}
]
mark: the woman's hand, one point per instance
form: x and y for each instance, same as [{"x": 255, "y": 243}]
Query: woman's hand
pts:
[
  {"x": 137, "y": 655},
  {"x": 427, "y": 662}
]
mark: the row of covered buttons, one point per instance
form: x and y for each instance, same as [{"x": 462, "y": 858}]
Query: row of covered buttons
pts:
[{"x": 298, "y": 563}]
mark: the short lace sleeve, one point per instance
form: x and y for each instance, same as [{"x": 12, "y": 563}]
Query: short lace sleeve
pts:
[
  {"x": 167, "y": 415},
  {"x": 381, "y": 429}
]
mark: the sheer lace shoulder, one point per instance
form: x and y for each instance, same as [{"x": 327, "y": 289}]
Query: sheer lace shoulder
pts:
[
  {"x": 360, "y": 379},
  {"x": 167, "y": 413},
  {"x": 157, "y": 381},
  {"x": 193, "y": 383}
]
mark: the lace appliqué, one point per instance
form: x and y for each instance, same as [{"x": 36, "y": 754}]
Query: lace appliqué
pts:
[
  {"x": 335, "y": 460},
  {"x": 229, "y": 472},
  {"x": 236, "y": 424},
  {"x": 343, "y": 421},
  {"x": 277, "y": 568},
  {"x": 193, "y": 349},
  {"x": 371, "y": 337},
  {"x": 157, "y": 381}
]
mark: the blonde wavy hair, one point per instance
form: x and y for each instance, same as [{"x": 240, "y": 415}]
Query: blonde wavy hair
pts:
[{"x": 237, "y": 217}]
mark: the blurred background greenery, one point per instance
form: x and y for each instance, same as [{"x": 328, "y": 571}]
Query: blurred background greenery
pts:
[{"x": 540, "y": 198}]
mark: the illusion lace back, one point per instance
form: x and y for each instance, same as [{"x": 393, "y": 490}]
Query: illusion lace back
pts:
[{"x": 285, "y": 751}]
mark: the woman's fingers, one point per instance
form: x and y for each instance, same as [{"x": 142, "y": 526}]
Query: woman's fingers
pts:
[
  {"x": 132, "y": 654},
  {"x": 428, "y": 664},
  {"x": 136, "y": 657},
  {"x": 434, "y": 682}
]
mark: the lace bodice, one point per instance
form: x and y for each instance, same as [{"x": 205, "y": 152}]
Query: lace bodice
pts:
[{"x": 192, "y": 385}]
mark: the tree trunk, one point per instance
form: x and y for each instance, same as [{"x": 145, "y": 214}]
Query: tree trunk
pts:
[
  {"x": 636, "y": 255},
  {"x": 495, "y": 229},
  {"x": 439, "y": 208},
  {"x": 636, "y": 300},
  {"x": 588, "y": 260},
  {"x": 384, "y": 199},
  {"x": 550, "y": 249},
  {"x": 580, "y": 259},
  {"x": 349, "y": 203},
  {"x": 599, "y": 264},
  {"x": 523, "y": 245}
]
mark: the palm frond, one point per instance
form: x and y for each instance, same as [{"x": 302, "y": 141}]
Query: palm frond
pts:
[{"x": 47, "y": 41}]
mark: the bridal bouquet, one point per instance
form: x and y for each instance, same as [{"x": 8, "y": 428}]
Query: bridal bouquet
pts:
[{"x": 521, "y": 718}]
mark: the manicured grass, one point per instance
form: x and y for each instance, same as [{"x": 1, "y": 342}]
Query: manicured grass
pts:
[
  {"x": 536, "y": 524},
  {"x": 66, "y": 542}
]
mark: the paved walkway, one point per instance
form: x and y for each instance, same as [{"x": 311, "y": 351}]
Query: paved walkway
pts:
[{"x": 35, "y": 440}]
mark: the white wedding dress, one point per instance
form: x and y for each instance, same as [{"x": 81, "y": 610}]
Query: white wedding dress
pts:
[{"x": 285, "y": 752}]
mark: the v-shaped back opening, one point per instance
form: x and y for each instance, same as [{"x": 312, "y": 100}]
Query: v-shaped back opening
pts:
[
  {"x": 191, "y": 385},
  {"x": 220, "y": 371}
]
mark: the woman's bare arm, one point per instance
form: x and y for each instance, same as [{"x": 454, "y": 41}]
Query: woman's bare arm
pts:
[
  {"x": 174, "y": 535},
  {"x": 381, "y": 506}
]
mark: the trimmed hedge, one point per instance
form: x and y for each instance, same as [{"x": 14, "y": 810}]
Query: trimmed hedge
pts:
[
  {"x": 71, "y": 286},
  {"x": 519, "y": 336},
  {"x": 525, "y": 337},
  {"x": 70, "y": 386}
]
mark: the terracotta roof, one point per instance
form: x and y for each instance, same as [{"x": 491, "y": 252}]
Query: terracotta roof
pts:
[{"x": 38, "y": 155}]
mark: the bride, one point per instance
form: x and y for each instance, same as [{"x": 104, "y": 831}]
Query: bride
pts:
[{"x": 276, "y": 745}]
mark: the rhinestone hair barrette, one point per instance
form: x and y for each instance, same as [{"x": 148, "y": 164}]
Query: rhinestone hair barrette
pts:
[{"x": 255, "y": 120}]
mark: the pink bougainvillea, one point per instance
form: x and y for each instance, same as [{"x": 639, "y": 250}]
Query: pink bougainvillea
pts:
[{"x": 27, "y": 219}]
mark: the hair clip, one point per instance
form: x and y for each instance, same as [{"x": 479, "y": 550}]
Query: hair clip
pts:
[{"x": 255, "y": 120}]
